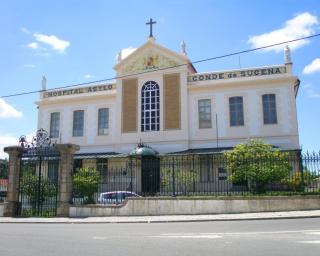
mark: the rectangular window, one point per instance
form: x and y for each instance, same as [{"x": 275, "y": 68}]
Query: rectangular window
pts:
[
  {"x": 236, "y": 111},
  {"x": 54, "y": 124},
  {"x": 78, "y": 116},
  {"x": 204, "y": 111},
  {"x": 269, "y": 109},
  {"x": 103, "y": 121}
]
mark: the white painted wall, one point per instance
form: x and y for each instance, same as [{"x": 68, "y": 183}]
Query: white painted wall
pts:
[{"x": 283, "y": 134}]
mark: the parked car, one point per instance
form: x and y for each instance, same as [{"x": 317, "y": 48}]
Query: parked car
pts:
[{"x": 115, "y": 197}]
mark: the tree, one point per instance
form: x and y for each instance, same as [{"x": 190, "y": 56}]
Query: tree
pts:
[
  {"x": 37, "y": 191},
  {"x": 86, "y": 182},
  {"x": 257, "y": 164}
]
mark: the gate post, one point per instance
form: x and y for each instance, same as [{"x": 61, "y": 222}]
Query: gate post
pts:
[
  {"x": 11, "y": 206},
  {"x": 65, "y": 177}
]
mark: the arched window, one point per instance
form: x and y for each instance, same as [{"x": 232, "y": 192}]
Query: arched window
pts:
[{"x": 150, "y": 107}]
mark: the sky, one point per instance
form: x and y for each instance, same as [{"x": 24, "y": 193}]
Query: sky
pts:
[{"x": 75, "y": 41}]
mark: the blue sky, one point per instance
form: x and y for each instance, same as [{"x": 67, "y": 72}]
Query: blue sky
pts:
[{"x": 77, "y": 41}]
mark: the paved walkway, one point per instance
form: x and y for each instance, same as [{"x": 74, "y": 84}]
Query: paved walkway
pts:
[{"x": 171, "y": 218}]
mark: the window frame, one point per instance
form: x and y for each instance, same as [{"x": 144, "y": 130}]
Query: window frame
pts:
[
  {"x": 150, "y": 107},
  {"x": 200, "y": 124},
  {"x": 268, "y": 109},
  {"x": 105, "y": 121},
  {"x": 236, "y": 115},
  {"x": 76, "y": 133},
  {"x": 54, "y": 125}
]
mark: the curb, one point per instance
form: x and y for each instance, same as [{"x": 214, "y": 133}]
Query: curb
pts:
[{"x": 167, "y": 219}]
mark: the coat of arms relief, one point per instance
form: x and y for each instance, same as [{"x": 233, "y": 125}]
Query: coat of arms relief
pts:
[{"x": 148, "y": 62}]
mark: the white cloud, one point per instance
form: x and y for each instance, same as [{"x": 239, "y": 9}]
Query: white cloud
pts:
[
  {"x": 33, "y": 45},
  {"x": 25, "y": 31},
  {"x": 301, "y": 25},
  {"x": 313, "y": 67},
  {"x": 88, "y": 76},
  {"x": 7, "y": 140},
  {"x": 7, "y": 111},
  {"x": 29, "y": 65},
  {"x": 310, "y": 91},
  {"x": 57, "y": 44},
  {"x": 126, "y": 52}
]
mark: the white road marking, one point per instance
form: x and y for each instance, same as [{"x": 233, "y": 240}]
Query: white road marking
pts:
[
  {"x": 99, "y": 238},
  {"x": 200, "y": 236},
  {"x": 309, "y": 242},
  {"x": 312, "y": 233}
]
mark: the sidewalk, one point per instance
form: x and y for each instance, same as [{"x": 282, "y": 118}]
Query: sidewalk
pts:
[{"x": 170, "y": 218}]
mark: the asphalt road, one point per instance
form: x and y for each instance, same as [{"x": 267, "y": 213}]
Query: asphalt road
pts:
[{"x": 263, "y": 237}]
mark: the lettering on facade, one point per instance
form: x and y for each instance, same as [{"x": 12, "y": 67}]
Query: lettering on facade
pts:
[
  {"x": 238, "y": 74},
  {"x": 90, "y": 89}
]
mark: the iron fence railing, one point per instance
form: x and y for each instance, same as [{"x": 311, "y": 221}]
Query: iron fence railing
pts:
[
  {"x": 189, "y": 175},
  {"x": 3, "y": 189}
]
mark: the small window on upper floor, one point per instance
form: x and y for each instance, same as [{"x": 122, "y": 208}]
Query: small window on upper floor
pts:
[
  {"x": 78, "y": 123},
  {"x": 236, "y": 111},
  {"x": 103, "y": 121},
  {"x": 269, "y": 109},
  {"x": 204, "y": 111},
  {"x": 54, "y": 124}
]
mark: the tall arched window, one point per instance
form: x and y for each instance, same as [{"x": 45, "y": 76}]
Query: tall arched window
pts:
[{"x": 150, "y": 107}]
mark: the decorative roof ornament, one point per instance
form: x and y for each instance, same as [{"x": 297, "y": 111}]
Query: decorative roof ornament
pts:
[
  {"x": 119, "y": 56},
  {"x": 44, "y": 83},
  {"x": 143, "y": 150},
  {"x": 287, "y": 55},
  {"x": 183, "y": 48},
  {"x": 40, "y": 140},
  {"x": 150, "y": 23}
]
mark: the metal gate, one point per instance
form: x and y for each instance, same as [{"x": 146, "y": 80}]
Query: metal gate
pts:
[{"x": 38, "y": 182}]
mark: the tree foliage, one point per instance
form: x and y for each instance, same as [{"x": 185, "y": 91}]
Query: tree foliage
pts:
[
  {"x": 3, "y": 169},
  {"x": 257, "y": 164},
  {"x": 86, "y": 182},
  {"x": 38, "y": 190}
]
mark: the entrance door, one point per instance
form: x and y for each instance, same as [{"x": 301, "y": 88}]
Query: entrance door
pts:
[
  {"x": 150, "y": 175},
  {"x": 38, "y": 182}
]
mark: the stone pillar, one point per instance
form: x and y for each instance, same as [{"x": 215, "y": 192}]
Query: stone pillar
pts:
[
  {"x": 11, "y": 206},
  {"x": 65, "y": 177}
]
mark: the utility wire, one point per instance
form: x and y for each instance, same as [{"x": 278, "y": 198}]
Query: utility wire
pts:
[{"x": 165, "y": 68}]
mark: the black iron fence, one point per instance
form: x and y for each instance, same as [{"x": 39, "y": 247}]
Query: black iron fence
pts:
[{"x": 111, "y": 180}]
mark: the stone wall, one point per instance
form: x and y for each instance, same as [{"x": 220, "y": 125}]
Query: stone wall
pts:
[{"x": 176, "y": 206}]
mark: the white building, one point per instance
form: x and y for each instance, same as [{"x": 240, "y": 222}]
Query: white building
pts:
[{"x": 160, "y": 99}]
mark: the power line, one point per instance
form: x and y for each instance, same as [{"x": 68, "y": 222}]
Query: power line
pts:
[{"x": 165, "y": 68}]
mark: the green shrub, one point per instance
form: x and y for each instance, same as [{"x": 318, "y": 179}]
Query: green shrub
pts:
[
  {"x": 86, "y": 182},
  {"x": 257, "y": 164},
  {"x": 38, "y": 192}
]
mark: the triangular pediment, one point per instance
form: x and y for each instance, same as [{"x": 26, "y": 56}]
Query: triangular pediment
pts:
[{"x": 150, "y": 56}]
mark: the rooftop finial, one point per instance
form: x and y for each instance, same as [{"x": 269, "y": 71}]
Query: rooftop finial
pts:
[
  {"x": 44, "y": 83},
  {"x": 150, "y": 23},
  {"x": 183, "y": 48},
  {"x": 119, "y": 56},
  {"x": 287, "y": 55}
]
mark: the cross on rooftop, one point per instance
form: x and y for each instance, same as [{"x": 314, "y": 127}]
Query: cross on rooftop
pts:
[{"x": 150, "y": 23}]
